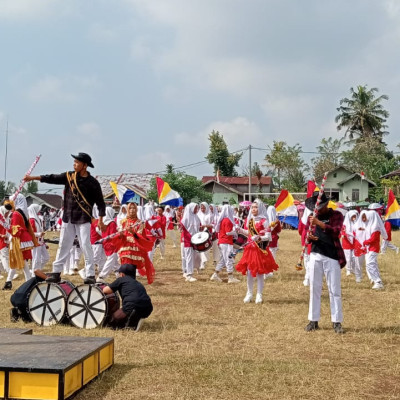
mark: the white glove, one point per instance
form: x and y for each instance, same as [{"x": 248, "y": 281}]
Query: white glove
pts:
[
  {"x": 266, "y": 237},
  {"x": 255, "y": 238}
]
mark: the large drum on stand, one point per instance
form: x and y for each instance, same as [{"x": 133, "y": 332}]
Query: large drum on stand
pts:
[
  {"x": 88, "y": 307},
  {"x": 47, "y": 302}
]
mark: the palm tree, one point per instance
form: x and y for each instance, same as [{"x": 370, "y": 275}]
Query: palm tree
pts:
[{"x": 362, "y": 115}]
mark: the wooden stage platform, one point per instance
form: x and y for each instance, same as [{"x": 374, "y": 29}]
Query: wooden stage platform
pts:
[{"x": 49, "y": 367}]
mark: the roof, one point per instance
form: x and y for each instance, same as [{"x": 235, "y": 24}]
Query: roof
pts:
[
  {"x": 237, "y": 180},
  {"x": 391, "y": 174},
  {"x": 50, "y": 200},
  {"x": 139, "y": 183},
  {"x": 227, "y": 187},
  {"x": 353, "y": 176}
]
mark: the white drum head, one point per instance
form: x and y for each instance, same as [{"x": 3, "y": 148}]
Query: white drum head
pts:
[
  {"x": 46, "y": 304},
  {"x": 86, "y": 306},
  {"x": 200, "y": 237}
]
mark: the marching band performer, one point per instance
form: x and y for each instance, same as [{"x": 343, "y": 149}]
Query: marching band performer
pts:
[
  {"x": 169, "y": 215},
  {"x": 4, "y": 240},
  {"x": 348, "y": 242},
  {"x": 257, "y": 260},
  {"x": 214, "y": 221},
  {"x": 205, "y": 222}
]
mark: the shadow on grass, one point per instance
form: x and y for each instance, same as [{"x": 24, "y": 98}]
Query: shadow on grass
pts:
[
  {"x": 394, "y": 330},
  {"x": 159, "y": 326},
  {"x": 286, "y": 301},
  {"x": 175, "y": 294}
]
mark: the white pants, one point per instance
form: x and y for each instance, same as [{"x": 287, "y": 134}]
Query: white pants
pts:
[
  {"x": 371, "y": 265},
  {"x": 172, "y": 234},
  {"x": 161, "y": 246},
  {"x": 40, "y": 256},
  {"x": 306, "y": 262},
  {"x": 319, "y": 266},
  {"x": 389, "y": 245},
  {"x": 273, "y": 251},
  {"x": 349, "y": 255},
  {"x": 225, "y": 259},
  {"x": 27, "y": 272},
  {"x": 110, "y": 265},
  {"x": 192, "y": 260},
  {"x": 358, "y": 266},
  {"x": 250, "y": 283},
  {"x": 183, "y": 258},
  {"x": 4, "y": 258},
  {"x": 67, "y": 236},
  {"x": 99, "y": 256},
  {"x": 215, "y": 250},
  {"x": 204, "y": 257}
]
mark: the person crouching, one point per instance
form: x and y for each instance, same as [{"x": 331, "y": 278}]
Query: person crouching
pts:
[{"x": 136, "y": 303}]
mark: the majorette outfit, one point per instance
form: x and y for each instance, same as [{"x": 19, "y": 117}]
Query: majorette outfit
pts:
[
  {"x": 153, "y": 226},
  {"x": 133, "y": 248},
  {"x": 95, "y": 235},
  {"x": 348, "y": 243},
  {"x": 110, "y": 250},
  {"x": 257, "y": 260},
  {"x": 190, "y": 224},
  {"x": 40, "y": 255},
  {"x": 162, "y": 220},
  {"x": 387, "y": 243},
  {"x": 226, "y": 232},
  {"x": 4, "y": 241},
  {"x": 276, "y": 228}
]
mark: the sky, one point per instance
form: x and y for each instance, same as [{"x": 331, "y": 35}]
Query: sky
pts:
[{"x": 139, "y": 84}]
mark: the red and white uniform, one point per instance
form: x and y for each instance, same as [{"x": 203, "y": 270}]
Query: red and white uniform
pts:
[
  {"x": 386, "y": 243},
  {"x": 40, "y": 255},
  {"x": 348, "y": 243}
]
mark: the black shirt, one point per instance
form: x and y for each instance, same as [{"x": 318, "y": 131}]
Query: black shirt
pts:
[
  {"x": 132, "y": 292},
  {"x": 90, "y": 189}
]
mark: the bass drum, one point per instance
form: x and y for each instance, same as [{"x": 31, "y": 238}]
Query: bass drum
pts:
[
  {"x": 88, "y": 307},
  {"x": 47, "y": 302},
  {"x": 201, "y": 241}
]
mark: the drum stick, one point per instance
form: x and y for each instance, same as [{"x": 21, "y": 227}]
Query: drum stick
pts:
[{"x": 299, "y": 265}]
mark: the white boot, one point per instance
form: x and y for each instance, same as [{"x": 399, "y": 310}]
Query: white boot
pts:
[
  {"x": 248, "y": 297},
  {"x": 259, "y": 298}
]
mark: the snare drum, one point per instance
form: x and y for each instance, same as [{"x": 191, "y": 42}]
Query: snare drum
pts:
[
  {"x": 240, "y": 240},
  {"x": 88, "y": 307},
  {"x": 47, "y": 302},
  {"x": 201, "y": 241}
]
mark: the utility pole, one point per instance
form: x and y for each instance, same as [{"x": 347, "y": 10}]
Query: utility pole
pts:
[
  {"x": 250, "y": 172},
  {"x": 5, "y": 158}
]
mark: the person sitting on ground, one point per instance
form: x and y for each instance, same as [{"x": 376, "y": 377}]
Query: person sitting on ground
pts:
[{"x": 136, "y": 303}]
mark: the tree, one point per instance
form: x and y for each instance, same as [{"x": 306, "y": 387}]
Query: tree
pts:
[
  {"x": 329, "y": 156},
  {"x": 31, "y": 187},
  {"x": 223, "y": 161},
  {"x": 289, "y": 167},
  {"x": 363, "y": 115},
  {"x": 6, "y": 189},
  {"x": 189, "y": 187}
]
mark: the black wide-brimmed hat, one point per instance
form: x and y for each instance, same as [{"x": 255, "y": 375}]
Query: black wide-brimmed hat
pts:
[
  {"x": 85, "y": 158},
  {"x": 311, "y": 201}
]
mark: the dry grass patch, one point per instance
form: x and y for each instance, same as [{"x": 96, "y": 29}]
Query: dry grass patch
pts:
[{"x": 202, "y": 342}]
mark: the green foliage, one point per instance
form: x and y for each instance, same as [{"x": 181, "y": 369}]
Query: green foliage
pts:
[
  {"x": 189, "y": 187},
  {"x": 289, "y": 167},
  {"x": 391, "y": 183},
  {"x": 232, "y": 201},
  {"x": 363, "y": 115},
  {"x": 9, "y": 189},
  {"x": 220, "y": 156},
  {"x": 31, "y": 187},
  {"x": 329, "y": 156}
]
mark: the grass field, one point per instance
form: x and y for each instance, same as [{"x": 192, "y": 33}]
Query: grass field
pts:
[{"x": 202, "y": 342}]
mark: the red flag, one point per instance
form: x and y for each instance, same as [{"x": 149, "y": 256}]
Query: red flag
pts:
[
  {"x": 362, "y": 175},
  {"x": 310, "y": 188}
]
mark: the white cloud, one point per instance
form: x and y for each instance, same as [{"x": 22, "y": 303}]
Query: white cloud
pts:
[
  {"x": 89, "y": 130},
  {"x": 55, "y": 89},
  {"x": 103, "y": 34},
  {"x": 32, "y": 9},
  {"x": 152, "y": 162}
]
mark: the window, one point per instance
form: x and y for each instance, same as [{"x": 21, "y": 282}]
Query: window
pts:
[
  {"x": 355, "y": 195},
  {"x": 335, "y": 175}
]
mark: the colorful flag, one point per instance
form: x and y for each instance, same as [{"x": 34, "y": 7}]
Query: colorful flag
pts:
[
  {"x": 392, "y": 210},
  {"x": 122, "y": 192},
  {"x": 166, "y": 195},
  {"x": 286, "y": 209},
  {"x": 311, "y": 185},
  {"x": 362, "y": 175}
]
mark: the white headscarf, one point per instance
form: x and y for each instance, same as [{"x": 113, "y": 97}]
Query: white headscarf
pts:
[
  {"x": 3, "y": 212},
  {"x": 140, "y": 213},
  {"x": 304, "y": 218},
  {"x": 213, "y": 213},
  {"x": 20, "y": 203},
  {"x": 361, "y": 235},
  {"x": 109, "y": 217},
  {"x": 205, "y": 217},
  {"x": 375, "y": 224},
  {"x": 33, "y": 211},
  {"x": 227, "y": 212},
  {"x": 148, "y": 211},
  {"x": 168, "y": 213},
  {"x": 271, "y": 212},
  {"x": 190, "y": 220},
  {"x": 349, "y": 224},
  {"x": 121, "y": 215},
  {"x": 262, "y": 213},
  {"x": 95, "y": 212}
]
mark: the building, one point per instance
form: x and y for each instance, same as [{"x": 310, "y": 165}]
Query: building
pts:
[
  {"x": 47, "y": 200},
  {"x": 231, "y": 189},
  {"x": 345, "y": 185},
  {"x": 138, "y": 183}
]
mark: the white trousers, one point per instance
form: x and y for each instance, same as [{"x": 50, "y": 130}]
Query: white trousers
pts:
[
  {"x": 386, "y": 244},
  {"x": 204, "y": 257},
  {"x": 371, "y": 265},
  {"x": 319, "y": 266},
  {"x": 192, "y": 260},
  {"x": 250, "y": 283},
  {"x": 172, "y": 234},
  {"x": 306, "y": 261},
  {"x": 5, "y": 259},
  {"x": 27, "y": 272},
  {"x": 350, "y": 261},
  {"x": 225, "y": 259},
  {"x": 273, "y": 251},
  {"x": 40, "y": 256},
  {"x": 110, "y": 265},
  {"x": 161, "y": 246},
  {"x": 67, "y": 236},
  {"x": 358, "y": 266},
  {"x": 215, "y": 250},
  {"x": 99, "y": 256},
  {"x": 183, "y": 258}
]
